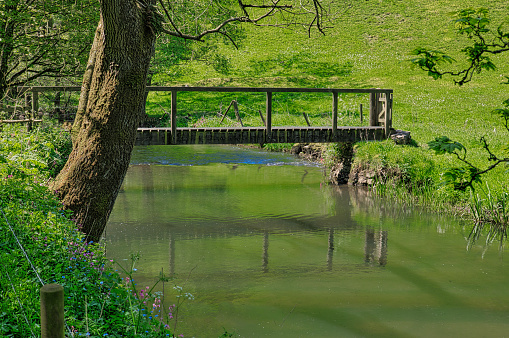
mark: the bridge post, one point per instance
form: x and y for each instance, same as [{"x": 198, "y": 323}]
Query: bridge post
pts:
[
  {"x": 174, "y": 116},
  {"x": 374, "y": 103},
  {"x": 334, "y": 113},
  {"x": 268, "y": 124},
  {"x": 388, "y": 113}
]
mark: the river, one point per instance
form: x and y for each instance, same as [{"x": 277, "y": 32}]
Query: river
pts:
[{"x": 268, "y": 250}]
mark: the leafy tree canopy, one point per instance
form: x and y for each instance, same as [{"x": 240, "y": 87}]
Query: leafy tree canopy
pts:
[{"x": 44, "y": 38}]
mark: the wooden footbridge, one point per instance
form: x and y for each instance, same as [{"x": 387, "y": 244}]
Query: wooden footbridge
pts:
[{"x": 380, "y": 119}]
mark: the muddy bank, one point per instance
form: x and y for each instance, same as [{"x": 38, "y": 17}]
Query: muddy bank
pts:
[{"x": 340, "y": 165}]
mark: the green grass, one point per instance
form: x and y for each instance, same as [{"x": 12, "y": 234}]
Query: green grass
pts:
[{"x": 369, "y": 46}]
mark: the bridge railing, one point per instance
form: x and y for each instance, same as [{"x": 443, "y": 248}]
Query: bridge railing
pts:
[{"x": 380, "y": 102}]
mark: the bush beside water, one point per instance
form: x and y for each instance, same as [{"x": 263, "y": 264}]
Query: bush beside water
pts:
[{"x": 98, "y": 301}]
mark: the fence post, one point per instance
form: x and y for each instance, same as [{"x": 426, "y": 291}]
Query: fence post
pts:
[
  {"x": 52, "y": 311},
  {"x": 373, "y": 109},
  {"x": 174, "y": 116},
  {"x": 35, "y": 102},
  {"x": 28, "y": 110},
  {"x": 268, "y": 124},
  {"x": 237, "y": 114},
  {"x": 334, "y": 113},
  {"x": 388, "y": 113}
]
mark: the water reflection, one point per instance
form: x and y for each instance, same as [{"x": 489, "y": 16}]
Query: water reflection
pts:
[
  {"x": 375, "y": 249},
  {"x": 265, "y": 259},
  {"x": 166, "y": 204},
  {"x": 330, "y": 250},
  {"x": 261, "y": 246}
]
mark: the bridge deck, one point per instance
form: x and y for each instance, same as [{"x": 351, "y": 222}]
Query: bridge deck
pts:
[{"x": 256, "y": 135}]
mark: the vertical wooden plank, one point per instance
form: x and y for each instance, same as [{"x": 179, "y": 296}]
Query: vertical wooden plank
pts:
[
  {"x": 35, "y": 102},
  {"x": 388, "y": 114},
  {"x": 161, "y": 134},
  {"x": 174, "y": 116},
  {"x": 268, "y": 121},
  {"x": 28, "y": 101},
  {"x": 373, "y": 109},
  {"x": 360, "y": 112},
  {"x": 154, "y": 137},
  {"x": 334, "y": 112},
  {"x": 28, "y": 110}
]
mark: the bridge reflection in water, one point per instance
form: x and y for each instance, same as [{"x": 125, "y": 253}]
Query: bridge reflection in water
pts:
[{"x": 133, "y": 221}]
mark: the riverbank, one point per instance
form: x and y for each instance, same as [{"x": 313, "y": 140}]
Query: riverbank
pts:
[
  {"x": 40, "y": 244},
  {"x": 408, "y": 174}
]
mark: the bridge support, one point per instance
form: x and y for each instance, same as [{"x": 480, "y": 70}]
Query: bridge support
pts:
[{"x": 380, "y": 110}]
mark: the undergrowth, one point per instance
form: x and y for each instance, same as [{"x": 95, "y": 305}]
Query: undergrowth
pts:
[{"x": 41, "y": 244}]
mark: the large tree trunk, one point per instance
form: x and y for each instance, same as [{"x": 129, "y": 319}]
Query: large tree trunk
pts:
[{"x": 109, "y": 112}]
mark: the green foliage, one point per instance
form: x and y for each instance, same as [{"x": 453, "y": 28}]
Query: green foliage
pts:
[
  {"x": 40, "y": 153},
  {"x": 98, "y": 300},
  {"x": 429, "y": 60},
  {"x": 442, "y": 145},
  {"x": 472, "y": 21},
  {"x": 44, "y": 38}
]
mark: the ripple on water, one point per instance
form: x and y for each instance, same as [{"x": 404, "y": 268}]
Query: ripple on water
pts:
[{"x": 205, "y": 154}]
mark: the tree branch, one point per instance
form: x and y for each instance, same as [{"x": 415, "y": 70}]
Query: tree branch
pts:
[{"x": 271, "y": 9}]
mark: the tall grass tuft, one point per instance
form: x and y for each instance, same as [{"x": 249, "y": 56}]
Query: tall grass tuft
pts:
[{"x": 493, "y": 209}]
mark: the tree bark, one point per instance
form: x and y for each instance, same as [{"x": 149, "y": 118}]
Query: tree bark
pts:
[{"x": 109, "y": 112}]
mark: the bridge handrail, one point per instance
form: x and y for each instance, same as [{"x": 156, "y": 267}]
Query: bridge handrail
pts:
[
  {"x": 380, "y": 110},
  {"x": 220, "y": 89}
]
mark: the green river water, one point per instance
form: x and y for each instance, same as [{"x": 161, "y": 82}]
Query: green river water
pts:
[{"x": 268, "y": 250}]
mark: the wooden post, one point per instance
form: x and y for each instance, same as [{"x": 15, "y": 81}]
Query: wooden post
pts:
[
  {"x": 28, "y": 110},
  {"x": 307, "y": 119},
  {"x": 226, "y": 112},
  {"x": 373, "y": 109},
  {"x": 28, "y": 102},
  {"x": 261, "y": 116},
  {"x": 35, "y": 102},
  {"x": 268, "y": 124},
  {"x": 388, "y": 113},
  {"x": 334, "y": 113},
  {"x": 52, "y": 311},
  {"x": 236, "y": 108},
  {"x": 34, "y": 110},
  {"x": 360, "y": 112},
  {"x": 174, "y": 116}
]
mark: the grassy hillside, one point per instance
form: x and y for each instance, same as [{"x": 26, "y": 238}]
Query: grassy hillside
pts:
[{"x": 369, "y": 46}]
